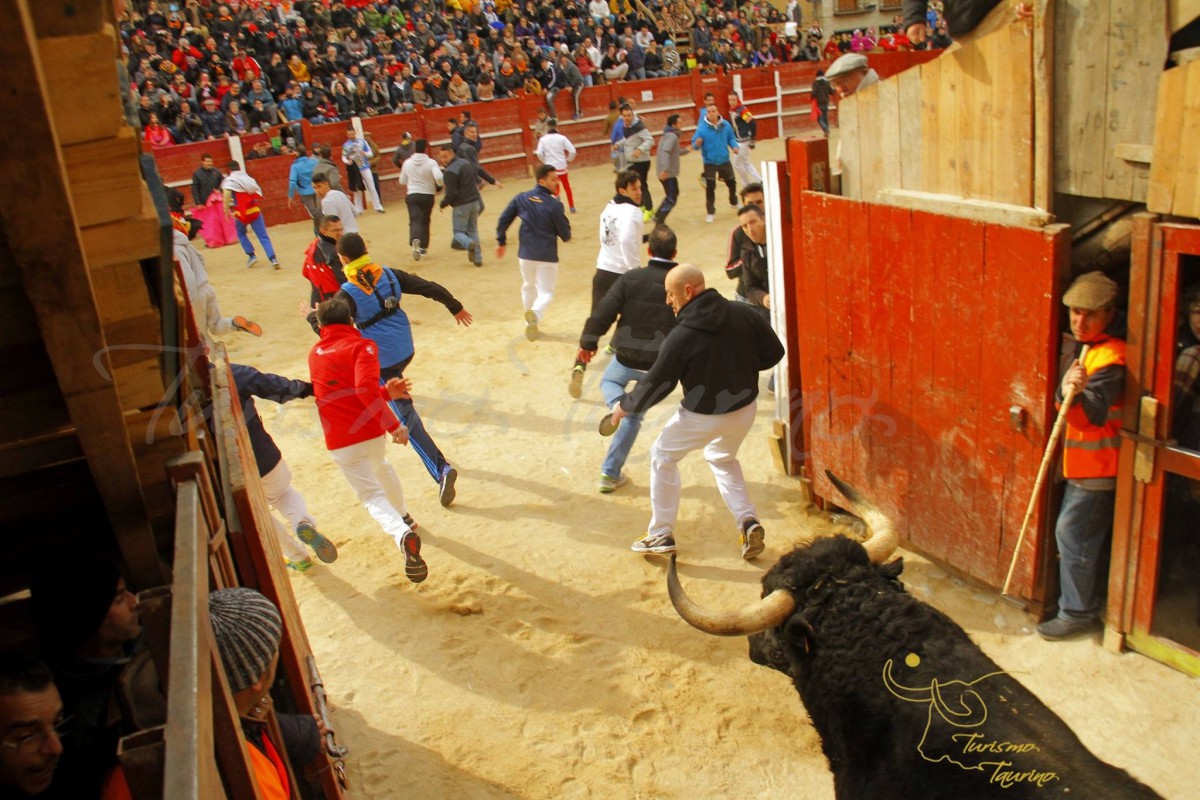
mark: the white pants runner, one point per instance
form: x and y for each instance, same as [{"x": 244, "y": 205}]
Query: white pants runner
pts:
[
  {"x": 720, "y": 435},
  {"x": 283, "y": 497},
  {"x": 743, "y": 166},
  {"x": 537, "y": 284},
  {"x": 375, "y": 482}
]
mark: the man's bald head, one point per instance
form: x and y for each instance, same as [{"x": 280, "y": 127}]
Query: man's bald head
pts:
[{"x": 683, "y": 283}]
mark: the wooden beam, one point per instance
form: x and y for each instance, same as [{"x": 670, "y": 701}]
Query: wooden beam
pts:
[
  {"x": 1137, "y": 153},
  {"x": 1168, "y": 126},
  {"x": 1182, "y": 12},
  {"x": 132, "y": 238},
  {"x": 59, "y": 18},
  {"x": 37, "y": 452},
  {"x": 104, "y": 179},
  {"x": 1043, "y": 105},
  {"x": 82, "y": 84},
  {"x": 967, "y": 208},
  {"x": 45, "y": 244}
]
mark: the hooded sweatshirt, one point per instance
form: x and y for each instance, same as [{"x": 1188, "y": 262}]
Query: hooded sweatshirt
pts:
[
  {"x": 621, "y": 224},
  {"x": 421, "y": 174},
  {"x": 638, "y": 142},
  {"x": 716, "y": 351}
]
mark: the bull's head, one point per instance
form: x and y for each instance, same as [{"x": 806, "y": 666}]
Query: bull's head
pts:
[{"x": 798, "y": 576}]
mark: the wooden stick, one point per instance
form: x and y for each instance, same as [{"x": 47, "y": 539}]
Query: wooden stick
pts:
[{"x": 1051, "y": 443}]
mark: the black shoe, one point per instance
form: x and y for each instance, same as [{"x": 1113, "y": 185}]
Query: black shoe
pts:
[
  {"x": 446, "y": 491},
  {"x": 415, "y": 568},
  {"x": 410, "y": 522},
  {"x": 1058, "y": 628}
]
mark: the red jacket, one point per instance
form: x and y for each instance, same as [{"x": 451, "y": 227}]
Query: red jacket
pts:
[{"x": 353, "y": 404}]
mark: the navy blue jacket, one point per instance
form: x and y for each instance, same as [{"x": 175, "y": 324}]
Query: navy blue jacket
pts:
[
  {"x": 543, "y": 223},
  {"x": 250, "y": 383}
]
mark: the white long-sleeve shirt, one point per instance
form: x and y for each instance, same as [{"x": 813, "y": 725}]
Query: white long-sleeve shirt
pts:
[
  {"x": 620, "y": 237},
  {"x": 556, "y": 150},
  {"x": 421, "y": 174}
]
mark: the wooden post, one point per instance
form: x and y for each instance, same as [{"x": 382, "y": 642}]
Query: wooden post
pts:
[
  {"x": 1043, "y": 105},
  {"x": 45, "y": 243}
]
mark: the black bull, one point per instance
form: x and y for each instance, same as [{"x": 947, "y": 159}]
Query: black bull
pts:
[{"x": 906, "y": 705}]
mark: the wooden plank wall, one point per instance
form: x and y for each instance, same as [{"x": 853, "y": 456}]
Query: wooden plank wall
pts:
[
  {"x": 1175, "y": 171},
  {"x": 917, "y": 332},
  {"x": 1108, "y": 58},
  {"x": 959, "y": 125},
  {"x": 86, "y": 176}
]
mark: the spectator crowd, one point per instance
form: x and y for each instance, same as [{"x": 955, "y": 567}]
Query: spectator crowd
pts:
[{"x": 202, "y": 70}]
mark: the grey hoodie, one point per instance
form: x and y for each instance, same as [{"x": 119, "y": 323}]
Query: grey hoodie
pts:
[{"x": 669, "y": 152}]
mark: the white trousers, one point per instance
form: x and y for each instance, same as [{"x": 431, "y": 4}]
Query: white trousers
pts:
[
  {"x": 720, "y": 435},
  {"x": 375, "y": 482},
  {"x": 207, "y": 312},
  {"x": 743, "y": 167},
  {"x": 283, "y": 497},
  {"x": 537, "y": 284}
]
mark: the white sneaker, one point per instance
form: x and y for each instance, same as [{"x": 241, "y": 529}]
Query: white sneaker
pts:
[
  {"x": 709, "y": 218},
  {"x": 531, "y": 325},
  {"x": 608, "y": 485}
]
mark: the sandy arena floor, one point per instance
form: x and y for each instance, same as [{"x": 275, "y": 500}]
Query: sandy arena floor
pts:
[{"x": 542, "y": 659}]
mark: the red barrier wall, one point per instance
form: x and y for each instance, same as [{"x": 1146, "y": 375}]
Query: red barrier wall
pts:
[
  {"x": 508, "y": 142},
  {"x": 895, "y": 401}
]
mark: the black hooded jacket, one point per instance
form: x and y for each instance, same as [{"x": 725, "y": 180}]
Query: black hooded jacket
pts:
[{"x": 716, "y": 351}]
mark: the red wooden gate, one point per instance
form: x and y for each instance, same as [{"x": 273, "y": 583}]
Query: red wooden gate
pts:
[{"x": 928, "y": 351}]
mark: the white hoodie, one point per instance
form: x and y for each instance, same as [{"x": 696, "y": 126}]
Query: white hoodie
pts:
[{"x": 421, "y": 174}]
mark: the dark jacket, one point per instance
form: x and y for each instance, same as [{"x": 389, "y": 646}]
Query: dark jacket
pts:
[
  {"x": 204, "y": 183},
  {"x": 250, "y": 383},
  {"x": 461, "y": 179},
  {"x": 716, "y": 351},
  {"x": 747, "y": 264},
  {"x": 543, "y": 223},
  {"x": 639, "y": 299},
  {"x": 961, "y": 15},
  {"x": 822, "y": 90}
]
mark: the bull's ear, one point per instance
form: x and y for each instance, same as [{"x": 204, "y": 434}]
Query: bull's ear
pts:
[
  {"x": 799, "y": 633},
  {"x": 892, "y": 569}
]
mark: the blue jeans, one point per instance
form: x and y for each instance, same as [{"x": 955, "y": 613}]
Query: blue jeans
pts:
[
  {"x": 1084, "y": 524},
  {"x": 260, "y": 230},
  {"x": 612, "y": 386},
  {"x": 466, "y": 223}
]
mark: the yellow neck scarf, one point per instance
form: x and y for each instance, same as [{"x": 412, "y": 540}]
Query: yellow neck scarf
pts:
[{"x": 364, "y": 273}]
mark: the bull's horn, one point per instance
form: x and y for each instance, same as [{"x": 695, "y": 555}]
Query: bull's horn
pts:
[
  {"x": 767, "y": 613},
  {"x": 882, "y": 541}
]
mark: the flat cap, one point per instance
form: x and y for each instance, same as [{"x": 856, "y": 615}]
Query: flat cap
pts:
[
  {"x": 846, "y": 64},
  {"x": 1091, "y": 291}
]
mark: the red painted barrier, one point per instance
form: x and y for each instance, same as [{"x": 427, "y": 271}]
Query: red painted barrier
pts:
[
  {"x": 895, "y": 400},
  {"x": 504, "y": 125}
]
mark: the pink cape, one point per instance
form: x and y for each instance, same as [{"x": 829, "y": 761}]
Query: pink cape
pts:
[{"x": 217, "y": 226}]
